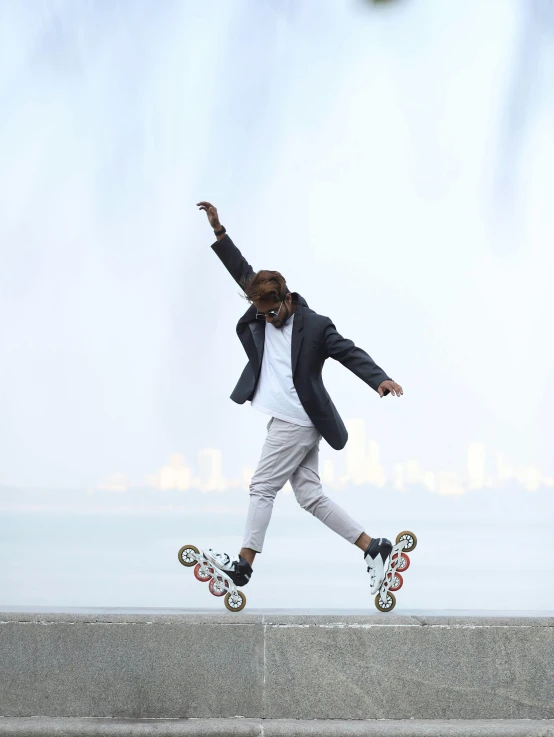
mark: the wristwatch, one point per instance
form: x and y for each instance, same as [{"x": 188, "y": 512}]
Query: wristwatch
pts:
[{"x": 220, "y": 232}]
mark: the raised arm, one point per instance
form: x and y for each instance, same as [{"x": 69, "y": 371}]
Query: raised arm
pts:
[{"x": 228, "y": 253}]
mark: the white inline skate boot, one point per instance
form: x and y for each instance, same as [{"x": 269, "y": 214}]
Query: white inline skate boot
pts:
[
  {"x": 384, "y": 563},
  {"x": 376, "y": 556},
  {"x": 238, "y": 569},
  {"x": 223, "y": 573}
]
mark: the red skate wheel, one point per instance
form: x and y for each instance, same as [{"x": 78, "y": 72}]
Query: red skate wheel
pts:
[
  {"x": 199, "y": 576},
  {"x": 397, "y": 583},
  {"x": 404, "y": 563},
  {"x": 218, "y": 587}
]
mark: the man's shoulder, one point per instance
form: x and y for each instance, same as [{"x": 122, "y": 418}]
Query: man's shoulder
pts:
[
  {"x": 313, "y": 315},
  {"x": 309, "y": 316},
  {"x": 314, "y": 319}
]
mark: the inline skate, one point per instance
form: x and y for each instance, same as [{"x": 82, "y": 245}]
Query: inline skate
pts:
[
  {"x": 222, "y": 574},
  {"x": 386, "y": 576}
]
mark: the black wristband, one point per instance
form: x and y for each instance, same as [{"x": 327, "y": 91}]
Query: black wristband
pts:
[{"x": 220, "y": 232}]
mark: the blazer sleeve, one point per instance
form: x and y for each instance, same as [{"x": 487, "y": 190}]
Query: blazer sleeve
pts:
[
  {"x": 354, "y": 358},
  {"x": 232, "y": 259}
]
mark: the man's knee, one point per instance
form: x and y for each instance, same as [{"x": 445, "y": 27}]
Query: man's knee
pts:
[
  {"x": 310, "y": 504},
  {"x": 263, "y": 491}
]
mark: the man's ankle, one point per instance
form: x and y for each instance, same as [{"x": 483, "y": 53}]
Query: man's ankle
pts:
[
  {"x": 248, "y": 554},
  {"x": 363, "y": 541}
]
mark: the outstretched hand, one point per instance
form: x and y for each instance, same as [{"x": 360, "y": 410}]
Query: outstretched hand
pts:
[
  {"x": 394, "y": 388},
  {"x": 211, "y": 212}
]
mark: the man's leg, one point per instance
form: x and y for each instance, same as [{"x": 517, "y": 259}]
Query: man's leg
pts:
[
  {"x": 307, "y": 488},
  {"x": 362, "y": 542},
  {"x": 284, "y": 448}
]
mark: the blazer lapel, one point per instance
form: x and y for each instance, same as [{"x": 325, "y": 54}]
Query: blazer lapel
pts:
[
  {"x": 252, "y": 333},
  {"x": 257, "y": 329},
  {"x": 297, "y": 335}
]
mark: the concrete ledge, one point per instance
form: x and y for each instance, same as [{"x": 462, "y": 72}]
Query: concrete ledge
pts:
[
  {"x": 271, "y": 666},
  {"x": 42, "y": 726}
]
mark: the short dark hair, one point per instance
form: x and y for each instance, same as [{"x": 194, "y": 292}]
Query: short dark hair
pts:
[{"x": 264, "y": 286}]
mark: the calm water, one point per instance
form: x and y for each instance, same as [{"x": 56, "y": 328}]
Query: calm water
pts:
[{"x": 98, "y": 555}]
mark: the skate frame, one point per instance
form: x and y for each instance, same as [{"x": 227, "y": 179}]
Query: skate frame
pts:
[
  {"x": 205, "y": 566},
  {"x": 388, "y": 581}
]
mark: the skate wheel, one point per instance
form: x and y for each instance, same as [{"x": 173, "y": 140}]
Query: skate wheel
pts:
[
  {"x": 235, "y": 601},
  {"x": 186, "y": 557},
  {"x": 397, "y": 583},
  {"x": 218, "y": 586},
  {"x": 407, "y": 537},
  {"x": 199, "y": 573},
  {"x": 388, "y": 604},
  {"x": 404, "y": 563}
]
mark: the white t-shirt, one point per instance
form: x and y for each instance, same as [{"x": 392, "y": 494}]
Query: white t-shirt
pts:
[{"x": 275, "y": 394}]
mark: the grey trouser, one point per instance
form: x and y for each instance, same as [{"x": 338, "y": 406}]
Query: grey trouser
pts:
[{"x": 291, "y": 452}]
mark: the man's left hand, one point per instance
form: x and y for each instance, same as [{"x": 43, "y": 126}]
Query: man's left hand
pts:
[{"x": 394, "y": 388}]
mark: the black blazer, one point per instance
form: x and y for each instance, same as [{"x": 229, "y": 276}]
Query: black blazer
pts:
[{"x": 314, "y": 339}]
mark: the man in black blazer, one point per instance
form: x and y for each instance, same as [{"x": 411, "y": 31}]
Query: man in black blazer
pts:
[{"x": 287, "y": 344}]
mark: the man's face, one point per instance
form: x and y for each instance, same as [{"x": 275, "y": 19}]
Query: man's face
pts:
[{"x": 284, "y": 311}]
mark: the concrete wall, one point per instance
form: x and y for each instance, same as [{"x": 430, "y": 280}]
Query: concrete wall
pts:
[{"x": 274, "y": 666}]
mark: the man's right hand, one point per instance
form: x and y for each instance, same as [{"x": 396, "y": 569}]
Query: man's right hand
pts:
[{"x": 211, "y": 212}]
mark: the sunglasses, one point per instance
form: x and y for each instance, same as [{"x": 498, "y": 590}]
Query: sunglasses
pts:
[{"x": 269, "y": 313}]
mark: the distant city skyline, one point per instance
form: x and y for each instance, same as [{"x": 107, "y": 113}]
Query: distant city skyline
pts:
[{"x": 484, "y": 470}]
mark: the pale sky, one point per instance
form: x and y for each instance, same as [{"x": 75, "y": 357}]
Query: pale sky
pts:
[{"x": 390, "y": 162}]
